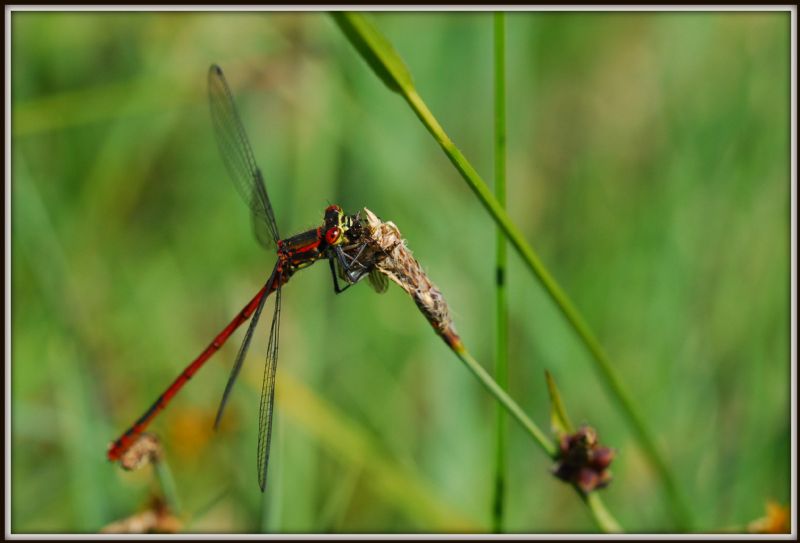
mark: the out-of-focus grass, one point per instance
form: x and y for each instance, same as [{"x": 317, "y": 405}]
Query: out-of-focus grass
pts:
[{"x": 647, "y": 159}]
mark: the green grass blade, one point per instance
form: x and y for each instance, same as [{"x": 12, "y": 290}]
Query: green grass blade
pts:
[
  {"x": 600, "y": 514},
  {"x": 363, "y": 36},
  {"x": 376, "y": 50},
  {"x": 168, "y": 486},
  {"x": 501, "y": 304},
  {"x": 558, "y": 413}
]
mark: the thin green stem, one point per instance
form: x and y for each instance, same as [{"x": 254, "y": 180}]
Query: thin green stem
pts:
[
  {"x": 167, "y": 483},
  {"x": 604, "y": 520},
  {"x": 501, "y": 305},
  {"x": 600, "y": 514},
  {"x": 508, "y": 403}
]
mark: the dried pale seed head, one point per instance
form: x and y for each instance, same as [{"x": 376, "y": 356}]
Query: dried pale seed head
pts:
[
  {"x": 387, "y": 251},
  {"x": 145, "y": 450},
  {"x": 156, "y": 519}
]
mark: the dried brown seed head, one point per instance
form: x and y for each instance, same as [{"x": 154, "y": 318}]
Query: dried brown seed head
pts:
[{"x": 386, "y": 250}]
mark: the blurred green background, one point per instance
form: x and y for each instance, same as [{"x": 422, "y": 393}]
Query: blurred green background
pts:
[{"x": 648, "y": 163}]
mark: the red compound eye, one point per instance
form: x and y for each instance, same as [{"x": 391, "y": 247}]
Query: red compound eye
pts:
[
  {"x": 332, "y": 235},
  {"x": 333, "y": 207}
]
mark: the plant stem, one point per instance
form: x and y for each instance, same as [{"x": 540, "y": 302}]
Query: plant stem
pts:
[
  {"x": 167, "y": 484},
  {"x": 600, "y": 514},
  {"x": 604, "y": 520},
  {"x": 501, "y": 306},
  {"x": 508, "y": 403}
]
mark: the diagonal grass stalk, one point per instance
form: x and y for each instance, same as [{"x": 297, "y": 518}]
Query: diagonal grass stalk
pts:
[
  {"x": 505, "y": 400},
  {"x": 600, "y": 514},
  {"x": 167, "y": 483},
  {"x": 501, "y": 305},
  {"x": 378, "y": 52},
  {"x": 604, "y": 520}
]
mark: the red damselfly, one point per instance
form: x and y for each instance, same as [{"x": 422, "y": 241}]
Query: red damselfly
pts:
[{"x": 337, "y": 240}]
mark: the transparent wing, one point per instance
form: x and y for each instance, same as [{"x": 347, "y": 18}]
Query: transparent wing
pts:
[
  {"x": 268, "y": 394},
  {"x": 378, "y": 281},
  {"x": 262, "y": 230},
  {"x": 237, "y": 153},
  {"x": 240, "y": 356}
]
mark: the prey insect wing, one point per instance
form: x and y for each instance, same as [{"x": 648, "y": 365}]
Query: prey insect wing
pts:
[
  {"x": 237, "y": 153},
  {"x": 378, "y": 281},
  {"x": 268, "y": 394},
  {"x": 340, "y": 272}
]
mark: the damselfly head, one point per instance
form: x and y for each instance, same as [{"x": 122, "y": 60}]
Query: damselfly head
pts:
[{"x": 334, "y": 225}]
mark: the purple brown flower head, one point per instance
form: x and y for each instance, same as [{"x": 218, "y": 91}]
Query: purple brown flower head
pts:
[{"x": 582, "y": 461}]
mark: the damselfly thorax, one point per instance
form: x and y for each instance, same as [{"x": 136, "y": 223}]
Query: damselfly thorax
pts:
[{"x": 304, "y": 249}]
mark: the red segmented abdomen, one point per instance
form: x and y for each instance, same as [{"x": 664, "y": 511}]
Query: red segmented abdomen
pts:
[{"x": 118, "y": 448}]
